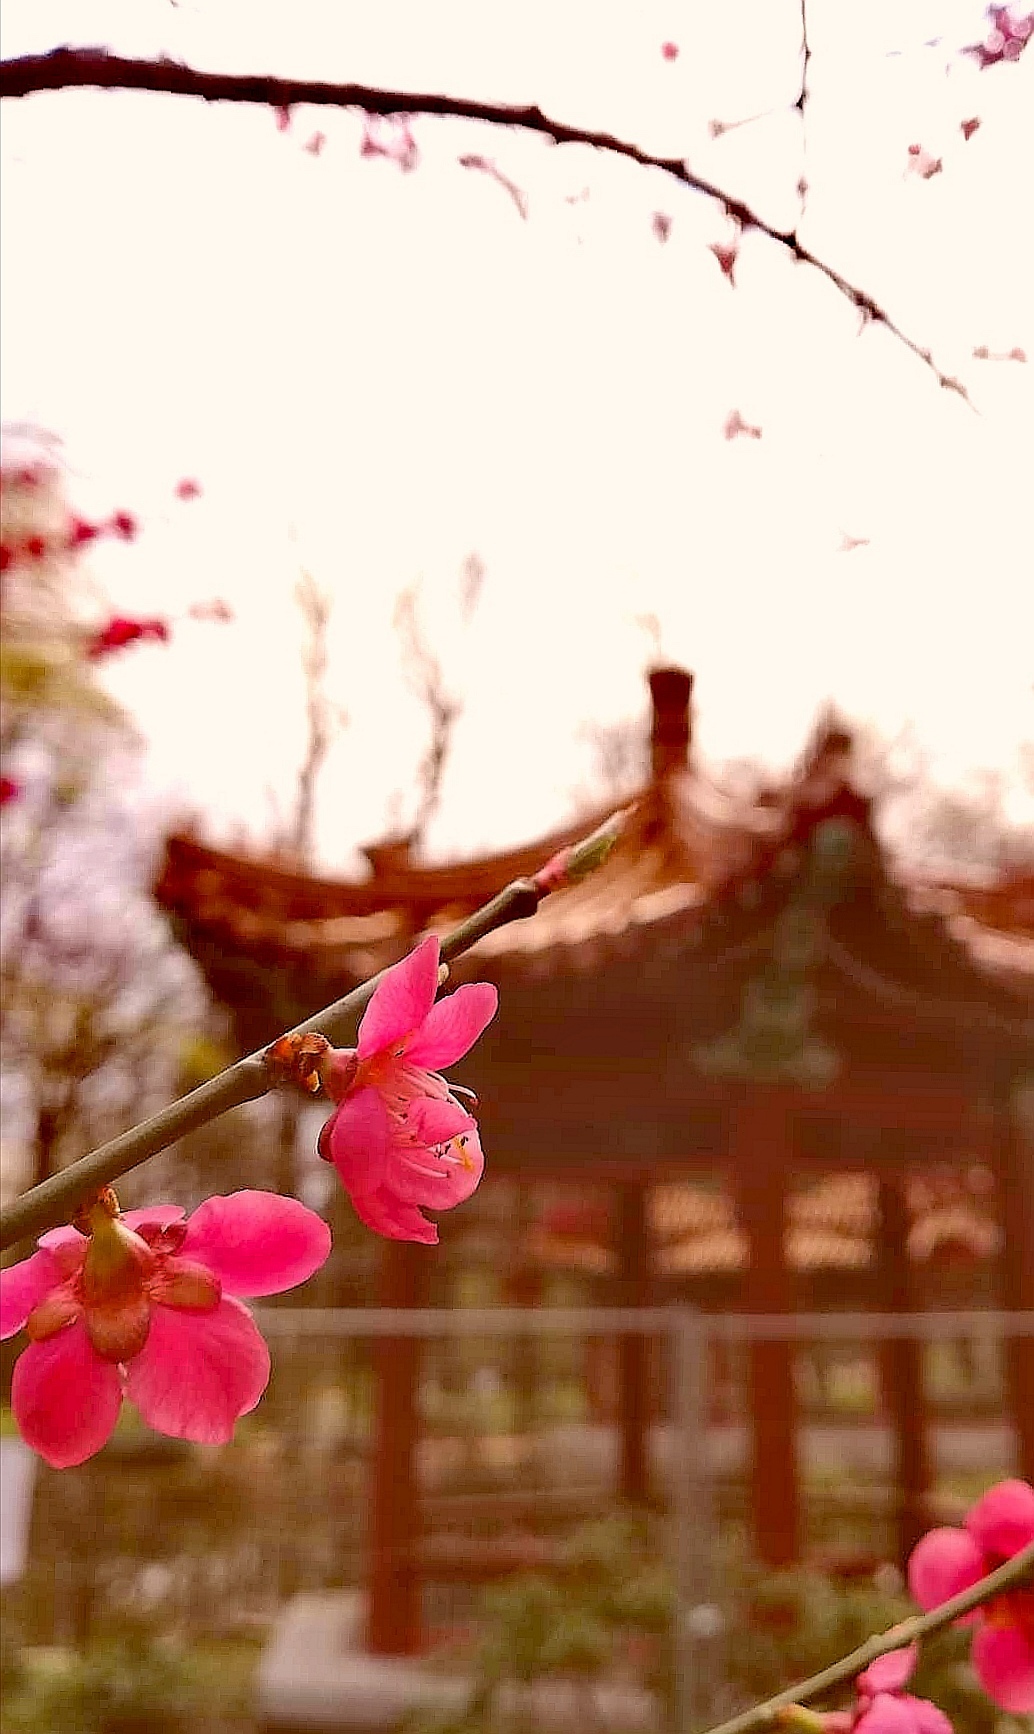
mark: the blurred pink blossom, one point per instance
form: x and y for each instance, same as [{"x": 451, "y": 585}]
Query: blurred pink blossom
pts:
[
  {"x": 949, "y": 1560},
  {"x": 390, "y": 135}
]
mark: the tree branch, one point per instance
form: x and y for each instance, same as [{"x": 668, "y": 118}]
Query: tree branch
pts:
[
  {"x": 769, "y": 1714},
  {"x": 56, "y": 1200},
  {"x": 64, "y": 68}
]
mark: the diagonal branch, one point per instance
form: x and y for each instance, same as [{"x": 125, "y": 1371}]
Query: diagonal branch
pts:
[
  {"x": 1016, "y": 1571},
  {"x": 55, "y": 1200},
  {"x": 64, "y": 68}
]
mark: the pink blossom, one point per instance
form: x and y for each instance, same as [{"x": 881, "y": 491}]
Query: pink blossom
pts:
[
  {"x": 882, "y": 1706},
  {"x": 670, "y": 50},
  {"x": 727, "y": 257},
  {"x": 1006, "y": 39},
  {"x": 121, "y": 631},
  {"x": 949, "y": 1560},
  {"x": 188, "y": 488},
  {"x": 390, "y": 135},
  {"x": 146, "y": 1306},
  {"x": 123, "y": 525},
  {"x": 81, "y": 532},
  {"x": 398, "y": 1137}
]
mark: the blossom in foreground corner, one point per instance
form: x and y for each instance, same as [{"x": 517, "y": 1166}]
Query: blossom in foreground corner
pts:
[
  {"x": 398, "y": 1137},
  {"x": 881, "y": 1706},
  {"x": 947, "y": 1561},
  {"x": 148, "y": 1306}
]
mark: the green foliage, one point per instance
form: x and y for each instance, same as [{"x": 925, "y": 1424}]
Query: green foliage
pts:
[
  {"x": 611, "y": 1584},
  {"x": 127, "y": 1681}
]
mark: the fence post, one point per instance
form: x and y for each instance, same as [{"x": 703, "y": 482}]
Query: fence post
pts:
[{"x": 698, "y": 1617}]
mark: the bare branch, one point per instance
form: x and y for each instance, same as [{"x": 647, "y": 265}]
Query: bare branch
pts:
[
  {"x": 65, "y": 68},
  {"x": 315, "y": 606},
  {"x": 56, "y": 1200}
]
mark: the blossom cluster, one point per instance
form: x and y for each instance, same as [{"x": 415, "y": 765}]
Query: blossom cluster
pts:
[{"x": 147, "y": 1305}]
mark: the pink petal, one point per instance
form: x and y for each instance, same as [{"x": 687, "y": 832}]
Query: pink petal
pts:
[
  {"x": 452, "y": 1026},
  {"x": 357, "y": 1138},
  {"x": 67, "y": 1247},
  {"x": 944, "y": 1562},
  {"x": 256, "y": 1242},
  {"x": 23, "y": 1286},
  {"x": 156, "y": 1215},
  {"x": 886, "y": 1715},
  {"x": 66, "y": 1400},
  {"x": 433, "y": 1121},
  {"x": 1004, "y": 1662},
  {"x": 401, "y": 1001},
  {"x": 888, "y": 1673},
  {"x": 199, "y": 1372},
  {"x": 1002, "y": 1522},
  {"x": 466, "y": 1164},
  {"x": 393, "y": 1218},
  {"x": 432, "y": 1181},
  {"x": 927, "y": 1718}
]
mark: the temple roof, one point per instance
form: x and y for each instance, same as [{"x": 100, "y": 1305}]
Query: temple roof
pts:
[{"x": 697, "y": 868}]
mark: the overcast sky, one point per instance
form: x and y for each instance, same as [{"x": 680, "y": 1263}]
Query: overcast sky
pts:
[{"x": 375, "y": 373}]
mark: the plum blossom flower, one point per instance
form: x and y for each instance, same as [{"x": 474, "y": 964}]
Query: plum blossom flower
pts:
[
  {"x": 947, "y": 1561},
  {"x": 121, "y": 631},
  {"x": 398, "y": 1137},
  {"x": 1006, "y": 39},
  {"x": 391, "y": 136},
  {"x": 148, "y": 1306},
  {"x": 881, "y": 1706}
]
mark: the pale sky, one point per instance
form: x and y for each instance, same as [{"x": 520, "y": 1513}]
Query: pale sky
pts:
[{"x": 376, "y": 373}]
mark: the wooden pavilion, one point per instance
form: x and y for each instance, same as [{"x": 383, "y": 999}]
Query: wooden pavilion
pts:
[{"x": 746, "y": 988}]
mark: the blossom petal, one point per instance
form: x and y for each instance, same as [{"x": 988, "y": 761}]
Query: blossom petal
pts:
[
  {"x": 927, "y": 1718},
  {"x": 67, "y": 1247},
  {"x": 941, "y": 1564},
  {"x": 433, "y": 1121},
  {"x": 887, "y": 1714},
  {"x": 1002, "y": 1522},
  {"x": 464, "y": 1160},
  {"x": 66, "y": 1400},
  {"x": 199, "y": 1372},
  {"x": 888, "y": 1673},
  {"x": 256, "y": 1242},
  {"x": 393, "y": 1218},
  {"x": 1004, "y": 1661},
  {"x": 357, "y": 1139},
  {"x": 401, "y": 1000},
  {"x": 451, "y": 1027},
  {"x": 153, "y": 1215},
  {"x": 23, "y": 1286}
]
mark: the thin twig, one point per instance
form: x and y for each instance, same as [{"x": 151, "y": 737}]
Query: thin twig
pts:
[
  {"x": 768, "y": 1715},
  {"x": 67, "y": 67},
  {"x": 55, "y": 1200}
]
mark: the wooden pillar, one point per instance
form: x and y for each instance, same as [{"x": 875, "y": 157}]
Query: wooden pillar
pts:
[
  {"x": 633, "y": 1361},
  {"x": 393, "y": 1577},
  {"x": 762, "y": 1163},
  {"x": 1013, "y": 1160},
  {"x": 901, "y": 1371}
]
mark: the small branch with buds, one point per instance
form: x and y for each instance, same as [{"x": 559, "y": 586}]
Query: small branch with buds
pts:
[
  {"x": 777, "y": 1712},
  {"x": 290, "y": 1060},
  {"x": 66, "y": 67}
]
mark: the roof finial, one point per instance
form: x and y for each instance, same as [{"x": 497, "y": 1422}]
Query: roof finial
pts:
[{"x": 671, "y": 732}]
